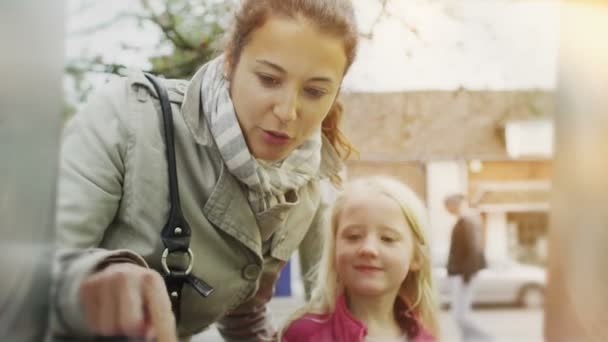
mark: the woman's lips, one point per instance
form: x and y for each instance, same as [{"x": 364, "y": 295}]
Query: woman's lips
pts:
[{"x": 275, "y": 137}]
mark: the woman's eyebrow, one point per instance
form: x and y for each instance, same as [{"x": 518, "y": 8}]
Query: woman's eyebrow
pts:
[{"x": 271, "y": 65}]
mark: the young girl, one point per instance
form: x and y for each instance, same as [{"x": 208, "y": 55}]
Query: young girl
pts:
[{"x": 374, "y": 278}]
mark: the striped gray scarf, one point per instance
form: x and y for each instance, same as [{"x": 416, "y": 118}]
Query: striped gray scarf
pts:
[{"x": 267, "y": 182}]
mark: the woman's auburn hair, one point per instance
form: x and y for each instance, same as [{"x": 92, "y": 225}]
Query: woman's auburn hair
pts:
[
  {"x": 417, "y": 293},
  {"x": 334, "y": 17}
]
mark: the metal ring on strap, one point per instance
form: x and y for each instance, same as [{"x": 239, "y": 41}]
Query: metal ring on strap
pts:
[{"x": 168, "y": 271}]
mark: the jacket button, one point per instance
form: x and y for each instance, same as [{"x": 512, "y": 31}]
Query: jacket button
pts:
[{"x": 251, "y": 271}]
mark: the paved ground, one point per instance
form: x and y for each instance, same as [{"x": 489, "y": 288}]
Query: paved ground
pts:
[{"x": 506, "y": 324}]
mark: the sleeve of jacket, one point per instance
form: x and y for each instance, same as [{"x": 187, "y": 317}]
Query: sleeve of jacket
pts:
[
  {"x": 473, "y": 248},
  {"x": 251, "y": 321},
  {"x": 88, "y": 195},
  {"x": 462, "y": 249},
  {"x": 458, "y": 248}
]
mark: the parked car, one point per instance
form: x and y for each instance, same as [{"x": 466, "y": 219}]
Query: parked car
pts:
[{"x": 502, "y": 282}]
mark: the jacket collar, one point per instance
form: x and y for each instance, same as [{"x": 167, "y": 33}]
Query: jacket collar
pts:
[
  {"x": 192, "y": 111},
  {"x": 331, "y": 164},
  {"x": 345, "y": 325}
]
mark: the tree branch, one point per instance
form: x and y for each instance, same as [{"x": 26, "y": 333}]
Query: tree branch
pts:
[
  {"x": 168, "y": 28},
  {"x": 382, "y": 13},
  {"x": 179, "y": 70},
  {"x": 176, "y": 32},
  {"x": 75, "y": 69},
  {"x": 84, "y": 6},
  {"x": 105, "y": 24}
]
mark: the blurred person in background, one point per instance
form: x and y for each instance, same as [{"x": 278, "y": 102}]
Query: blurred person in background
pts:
[
  {"x": 255, "y": 130},
  {"x": 466, "y": 258}
]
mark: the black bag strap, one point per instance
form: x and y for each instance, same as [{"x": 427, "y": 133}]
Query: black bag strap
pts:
[{"x": 176, "y": 232}]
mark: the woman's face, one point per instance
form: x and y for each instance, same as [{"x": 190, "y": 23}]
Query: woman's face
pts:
[{"x": 284, "y": 84}]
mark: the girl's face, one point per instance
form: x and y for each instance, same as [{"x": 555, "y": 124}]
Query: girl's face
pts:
[
  {"x": 284, "y": 84},
  {"x": 374, "y": 244}
]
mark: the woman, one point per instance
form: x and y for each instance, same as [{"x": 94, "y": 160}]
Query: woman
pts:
[{"x": 255, "y": 131}]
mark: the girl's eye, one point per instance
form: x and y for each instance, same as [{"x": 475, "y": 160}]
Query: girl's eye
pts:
[
  {"x": 268, "y": 81},
  {"x": 314, "y": 93},
  {"x": 352, "y": 237},
  {"x": 388, "y": 239}
]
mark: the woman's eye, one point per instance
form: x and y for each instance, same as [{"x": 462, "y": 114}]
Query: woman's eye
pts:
[
  {"x": 314, "y": 93},
  {"x": 268, "y": 81}
]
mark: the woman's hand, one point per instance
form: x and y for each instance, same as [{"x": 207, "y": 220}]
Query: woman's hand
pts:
[{"x": 125, "y": 299}]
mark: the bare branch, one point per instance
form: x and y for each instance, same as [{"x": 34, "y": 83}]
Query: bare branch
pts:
[
  {"x": 167, "y": 25},
  {"x": 386, "y": 12},
  {"x": 382, "y": 13},
  {"x": 409, "y": 27},
  {"x": 180, "y": 69},
  {"x": 84, "y": 6},
  {"x": 177, "y": 34},
  {"x": 105, "y": 24},
  {"x": 96, "y": 67}
]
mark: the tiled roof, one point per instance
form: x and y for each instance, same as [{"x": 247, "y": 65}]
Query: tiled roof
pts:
[{"x": 427, "y": 125}]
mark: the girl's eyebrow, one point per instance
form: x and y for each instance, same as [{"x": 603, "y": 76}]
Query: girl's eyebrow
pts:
[
  {"x": 279, "y": 69},
  {"x": 351, "y": 226},
  {"x": 382, "y": 228},
  {"x": 392, "y": 229}
]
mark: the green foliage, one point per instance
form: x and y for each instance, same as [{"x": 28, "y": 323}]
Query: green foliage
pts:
[
  {"x": 193, "y": 30},
  {"x": 190, "y": 34}
]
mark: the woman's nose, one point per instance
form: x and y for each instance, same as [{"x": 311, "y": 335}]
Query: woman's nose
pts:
[{"x": 285, "y": 108}]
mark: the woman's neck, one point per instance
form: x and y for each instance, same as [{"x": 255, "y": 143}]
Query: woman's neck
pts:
[{"x": 377, "y": 313}]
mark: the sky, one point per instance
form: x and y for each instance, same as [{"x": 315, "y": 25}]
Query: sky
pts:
[{"x": 474, "y": 44}]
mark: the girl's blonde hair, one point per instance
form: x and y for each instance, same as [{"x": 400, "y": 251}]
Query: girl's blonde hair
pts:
[
  {"x": 416, "y": 293},
  {"x": 334, "y": 17}
]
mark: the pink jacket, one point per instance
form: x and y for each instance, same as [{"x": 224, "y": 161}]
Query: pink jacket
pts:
[{"x": 340, "y": 326}]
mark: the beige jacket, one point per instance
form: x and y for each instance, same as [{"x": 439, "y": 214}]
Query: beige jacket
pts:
[{"x": 113, "y": 203}]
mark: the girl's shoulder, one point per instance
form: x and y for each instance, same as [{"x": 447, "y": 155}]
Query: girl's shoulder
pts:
[
  {"x": 306, "y": 328},
  {"x": 425, "y": 336}
]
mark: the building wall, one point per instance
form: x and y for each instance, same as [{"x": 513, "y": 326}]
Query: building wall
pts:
[
  {"x": 509, "y": 171},
  {"x": 496, "y": 236},
  {"x": 444, "y": 178},
  {"x": 412, "y": 174},
  {"x": 512, "y": 170},
  {"x": 504, "y": 228}
]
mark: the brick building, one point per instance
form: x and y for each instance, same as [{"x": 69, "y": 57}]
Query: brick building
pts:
[{"x": 493, "y": 146}]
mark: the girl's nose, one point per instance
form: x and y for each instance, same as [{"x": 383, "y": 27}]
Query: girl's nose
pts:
[{"x": 369, "y": 247}]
